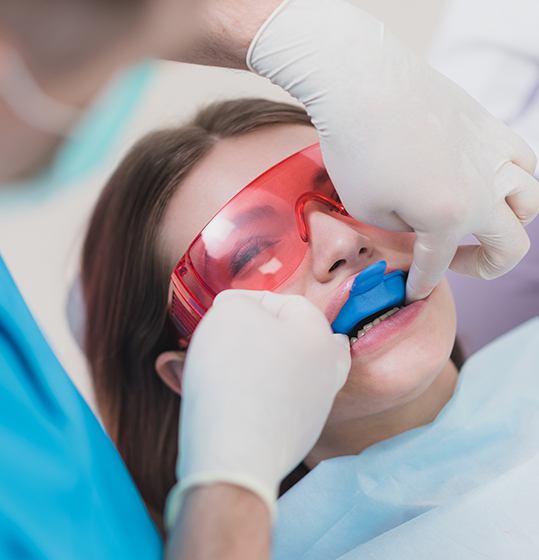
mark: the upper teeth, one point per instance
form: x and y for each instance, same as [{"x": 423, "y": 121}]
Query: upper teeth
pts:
[{"x": 370, "y": 325}]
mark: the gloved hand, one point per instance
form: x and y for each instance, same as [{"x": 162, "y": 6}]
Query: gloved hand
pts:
[
  {"x": 406, "y": 147},
  {"x": 260, "y": 377}
]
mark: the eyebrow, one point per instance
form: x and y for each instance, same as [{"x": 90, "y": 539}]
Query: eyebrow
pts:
[{"x": 253, "y": 214}]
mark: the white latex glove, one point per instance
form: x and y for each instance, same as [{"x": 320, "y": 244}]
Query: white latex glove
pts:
[
  {"x": 260, "y": 377},
  {"x": 406, "y": 147}
]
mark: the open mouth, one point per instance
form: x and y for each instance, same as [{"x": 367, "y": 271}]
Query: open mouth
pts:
[
  {"x": 374, "y": 297},
  {"x": 366, "y": 324}
]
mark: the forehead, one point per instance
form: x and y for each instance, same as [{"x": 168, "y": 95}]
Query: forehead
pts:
[{"x": 230, "y": 166}]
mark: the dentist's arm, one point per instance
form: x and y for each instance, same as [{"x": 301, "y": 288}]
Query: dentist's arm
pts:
[
  {"x": 219, "y": 32},
  {"x": 406, "y": 147},
  {"x": 221, "y": 522},
  {"x": 260, "y": 377}
]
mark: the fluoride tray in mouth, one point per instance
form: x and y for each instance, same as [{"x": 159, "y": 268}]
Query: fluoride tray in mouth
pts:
[{"x": 372, "y": 292}]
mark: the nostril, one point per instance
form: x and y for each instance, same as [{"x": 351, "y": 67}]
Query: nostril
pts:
[
  {"x": 336, "y": 265},
  {"x": 362, "y": 250}
]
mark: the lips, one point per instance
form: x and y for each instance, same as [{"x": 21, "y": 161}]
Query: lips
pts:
[
  {"x": 364, "y": 326},
  {"x": 390, "y": 329},
  {"x": 342, "y": 292},
  {"x": 377, "y": 291},
  {"x": 339, "y": 299}
]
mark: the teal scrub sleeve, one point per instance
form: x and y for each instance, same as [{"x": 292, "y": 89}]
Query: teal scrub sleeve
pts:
[{"x": 64, "y": 491}]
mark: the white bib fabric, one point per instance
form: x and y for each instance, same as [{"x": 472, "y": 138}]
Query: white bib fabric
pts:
[{"x": 464, "y": 486}]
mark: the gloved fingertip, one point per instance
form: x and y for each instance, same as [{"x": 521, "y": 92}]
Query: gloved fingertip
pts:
[
  {"x": 223, "y": 296},
  {"x": 415, "y": 292},
  {"x": 343, "y": 340},
  {"x": 343, "y": 373},
  {"x": 239, "y": 295},
  {"x": 344, "y": 360},
  {"x": 410, "y": 297},
  {"x": 413, "y": 296}
]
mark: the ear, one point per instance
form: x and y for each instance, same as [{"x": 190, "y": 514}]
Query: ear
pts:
[{"x": 169, "y": 367}]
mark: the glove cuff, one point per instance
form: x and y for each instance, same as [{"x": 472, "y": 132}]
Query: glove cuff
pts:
[
  {"x": 176, "y": 495},
  {"x": 260, "y": 32},
  {"x": 299, "y": 30}
]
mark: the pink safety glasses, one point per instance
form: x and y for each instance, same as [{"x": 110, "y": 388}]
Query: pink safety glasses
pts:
[{"x": 256, "y": 241}]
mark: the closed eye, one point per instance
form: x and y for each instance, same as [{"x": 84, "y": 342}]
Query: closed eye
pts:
[{"x": 248, "y": 252}]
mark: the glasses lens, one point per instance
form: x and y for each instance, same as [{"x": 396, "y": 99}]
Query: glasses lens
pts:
[{"x": 254, "y": 241}]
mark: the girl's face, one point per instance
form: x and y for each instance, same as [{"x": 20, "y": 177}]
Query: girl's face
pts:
[{"x": 389, "y": 368}]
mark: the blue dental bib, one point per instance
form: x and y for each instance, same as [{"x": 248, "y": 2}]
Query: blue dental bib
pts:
[{"x": 372, "y": 292}]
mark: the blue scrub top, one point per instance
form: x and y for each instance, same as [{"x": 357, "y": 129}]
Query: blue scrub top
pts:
[{"x": 64, "y": 490}]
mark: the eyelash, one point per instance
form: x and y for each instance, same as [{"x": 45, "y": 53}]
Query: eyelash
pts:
[{"x": 248, "y": 252}]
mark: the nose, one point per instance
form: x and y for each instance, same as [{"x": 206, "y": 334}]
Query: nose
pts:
[{"x": 337, "y": 246}]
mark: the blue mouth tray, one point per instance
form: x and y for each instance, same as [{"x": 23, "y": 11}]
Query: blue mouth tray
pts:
[{"x": 371, "y": 292}]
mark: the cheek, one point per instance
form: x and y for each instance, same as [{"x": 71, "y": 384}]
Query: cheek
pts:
[
  {"x": 301, "y": 283},
  {"x": 405, "y": 369}
]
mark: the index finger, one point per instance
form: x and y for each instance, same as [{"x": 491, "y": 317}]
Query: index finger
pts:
[
  {"x": 267, "y": 301},
  {"x": 281, "y": 306},
  {"x": 433, "y": 253}
]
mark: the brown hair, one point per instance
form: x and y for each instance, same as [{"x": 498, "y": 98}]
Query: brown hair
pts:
[{"x": 125, "y": 285}]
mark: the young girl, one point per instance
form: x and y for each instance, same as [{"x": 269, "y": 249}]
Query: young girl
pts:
[{"x": 161, "y": 196}]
